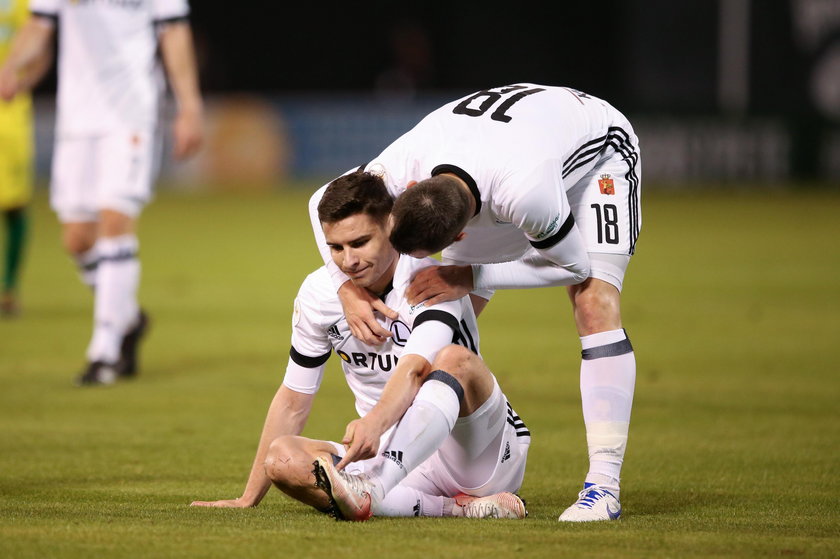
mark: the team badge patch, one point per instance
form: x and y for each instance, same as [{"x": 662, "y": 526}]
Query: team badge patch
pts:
[{"x": 605, "y": 183}]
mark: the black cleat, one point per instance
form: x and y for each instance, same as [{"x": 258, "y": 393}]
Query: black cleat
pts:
[
  {"x": 98, "y": 372},
  {"x": 127, "y": 364}
]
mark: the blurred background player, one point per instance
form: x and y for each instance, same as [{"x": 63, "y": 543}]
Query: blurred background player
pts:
[
  {"x": 16, "y": 153},
  {"x": 107, "y": 147}
]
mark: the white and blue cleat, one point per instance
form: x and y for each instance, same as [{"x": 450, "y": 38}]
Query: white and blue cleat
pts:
[{"x": 594, "y": 503}]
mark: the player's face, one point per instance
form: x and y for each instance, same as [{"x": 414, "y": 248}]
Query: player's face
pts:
[{"x": 360, "y": 247}]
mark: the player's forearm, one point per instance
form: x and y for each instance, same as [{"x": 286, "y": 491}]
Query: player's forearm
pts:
[
  {"x": 399, "y": 392},
  {"x": 287, "y": 415},
  {"x": 36, "y": 70},
  {"x": 567, "y": 263},
  {"x": 176, "y": 44},
  {"x": 31, "y": 43}
]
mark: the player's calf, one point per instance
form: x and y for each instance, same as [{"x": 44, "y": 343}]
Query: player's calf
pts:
[{"x": 288, "y": 464}]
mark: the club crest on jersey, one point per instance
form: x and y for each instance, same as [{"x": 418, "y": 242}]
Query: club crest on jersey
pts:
[
  {"x": 605, "y": 183},
  {"x": 400, "y": 332}
]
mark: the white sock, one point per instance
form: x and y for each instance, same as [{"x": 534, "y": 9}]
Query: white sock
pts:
[
  {"x": 607, "y": 381},
  {"x": 421, "y": 431},
  {"x": 87, "y": 264},
  {"x": 407, "y": 501},
  {"x": 115, "y": 300}
]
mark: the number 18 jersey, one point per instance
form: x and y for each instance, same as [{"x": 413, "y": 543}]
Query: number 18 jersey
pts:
[{"x": 528, "y": 152}]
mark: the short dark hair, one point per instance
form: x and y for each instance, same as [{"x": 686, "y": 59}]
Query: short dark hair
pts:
[
  {"x": 358, "y": 192},
  {"x": 430, "y": 215}
]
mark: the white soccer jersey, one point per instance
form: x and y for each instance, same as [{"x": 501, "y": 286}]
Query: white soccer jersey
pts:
[
  {"x": 502, "y": 144},
  {"x": 109, "y": 73},
  {"x": 524, "y": 150},
  {"x": 320, "y": 327}
]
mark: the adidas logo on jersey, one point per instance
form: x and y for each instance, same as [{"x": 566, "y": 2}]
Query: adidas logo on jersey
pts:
[
  {"x": 333, "y": 332},
  {"x": 506, "y": 454}
]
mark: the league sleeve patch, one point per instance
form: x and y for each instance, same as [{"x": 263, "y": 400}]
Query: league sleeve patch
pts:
[
  {"x": 296, "y": 313},
  {"x": 550, "y": 230}
]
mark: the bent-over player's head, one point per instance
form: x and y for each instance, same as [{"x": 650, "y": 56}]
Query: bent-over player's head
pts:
[
  {"x": 356, "y": 193},
  {"x": 429, "y": 216},
  {"x": 354, "y": 216}
]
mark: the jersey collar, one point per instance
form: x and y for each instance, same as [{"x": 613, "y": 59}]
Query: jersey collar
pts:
[{"x": 464, "y": 176}]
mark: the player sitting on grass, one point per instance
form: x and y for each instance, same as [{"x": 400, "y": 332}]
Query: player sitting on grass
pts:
[{"x": 451, "y": 444}]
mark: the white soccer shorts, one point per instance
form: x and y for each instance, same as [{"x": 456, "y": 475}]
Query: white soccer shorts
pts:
[
  {"x": 485, "y": 454},
  {"x": 114, "y": 172}
]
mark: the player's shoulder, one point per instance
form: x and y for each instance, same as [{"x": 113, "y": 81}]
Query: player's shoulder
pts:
[
  {"x": 317, "y": 291},
  {"x": 408, "y": 267}
]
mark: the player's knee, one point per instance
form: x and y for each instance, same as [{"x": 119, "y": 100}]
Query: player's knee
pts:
[
  {"x": 597, "y": 307},
  {"x": 458, "y": 361},
  {"x": 280, "y": 459},
  {"x": 77, "y": 241}
]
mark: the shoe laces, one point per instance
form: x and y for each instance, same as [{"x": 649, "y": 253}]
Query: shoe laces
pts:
[
  {"x": 481, "y": 508},
  {"x": 358, "y": 483},
  {"x": 591, "y": 495}
]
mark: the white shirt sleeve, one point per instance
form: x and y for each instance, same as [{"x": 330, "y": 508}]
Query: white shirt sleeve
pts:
[
  {"x": 310, "y": 346},
  {"x": 541, "y": 210},
  {"x": 169, "y": 9},
  {"x": 44, "y": 7},
  {"x": 434, "y": 329}
]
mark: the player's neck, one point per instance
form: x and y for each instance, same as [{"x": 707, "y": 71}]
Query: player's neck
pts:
[
  {"x": 462, "y": 184},
  {"x": 380, "y": 286}
]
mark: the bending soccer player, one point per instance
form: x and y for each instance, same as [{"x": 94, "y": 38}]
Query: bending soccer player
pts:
[
  {"x": 539, "y": 186},
  {"x": 436, "y": 437},
  {"x": 107, "y": 145}
]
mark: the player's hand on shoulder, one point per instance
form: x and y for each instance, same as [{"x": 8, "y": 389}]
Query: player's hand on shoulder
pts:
[
  {"x": 437, "y": 284},
  {"x": 358, "y": 305}
]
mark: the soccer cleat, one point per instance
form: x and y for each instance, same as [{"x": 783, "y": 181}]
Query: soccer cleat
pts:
[
  {"x": 349, "y": 494},
  {"x": 594, "y": 503},
  {"x": 500, "y": 505},
  {"x": 98, "y": 372},
  {"x": 127, "y": 364}
]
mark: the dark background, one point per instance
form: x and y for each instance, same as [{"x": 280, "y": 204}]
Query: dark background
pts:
[{"x": 645, "y": 55}]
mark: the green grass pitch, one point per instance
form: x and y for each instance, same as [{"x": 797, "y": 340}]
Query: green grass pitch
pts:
[{"x": 732, "y": 303}]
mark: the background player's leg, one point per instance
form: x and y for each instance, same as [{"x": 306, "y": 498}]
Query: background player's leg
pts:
[
  {"x": 79, "y": 240},
  {"x": 16, "y": 227},
  {"x": 117, "y": 280}
]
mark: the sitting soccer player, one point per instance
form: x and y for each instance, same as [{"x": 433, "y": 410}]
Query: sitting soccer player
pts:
[{"x": 451, "y": 444}]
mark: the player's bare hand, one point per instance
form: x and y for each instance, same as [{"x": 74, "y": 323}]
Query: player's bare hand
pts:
[
  {"x": 361, "y": 442},
  {"x": 225, "y": 503},
  {"x": 187, "y": 133},
  {"x": 359, "y": 305},
  {"x": 9, "y": 84},
  {"x": 437, "y": 284}
]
